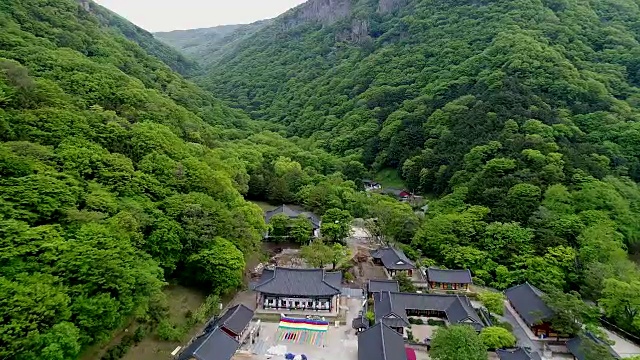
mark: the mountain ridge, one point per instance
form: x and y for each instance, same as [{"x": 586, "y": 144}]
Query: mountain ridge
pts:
[{"x": 206, "y": 45}]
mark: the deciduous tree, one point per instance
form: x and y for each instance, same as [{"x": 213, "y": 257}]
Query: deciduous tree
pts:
[
  {"x": 336, "y": 225},
  {"x": 494, "y": 337},
  {"x": 457, "y": 342}
]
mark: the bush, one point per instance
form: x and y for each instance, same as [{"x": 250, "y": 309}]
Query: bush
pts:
[
  {"x": 371, "y": 317},
  {"x": 416, "y": 321},
  {"x": 434, "y": 322},
  {"x": 139, "y": 334},
  {"x": 495, "y": 337},
  {"x": 204, "y": 311},
  {"x": 127, "y": 341},
  {"x": 168, "y": 332},
  {"x": 494, "y": 302},
  {"x": 505, "y": 325},
  {"x": 409, "y": 335},
  {"x": 472, "y": 295},
  {"x": 348, "y": 276},
  {"x": 116, "y": 352}
]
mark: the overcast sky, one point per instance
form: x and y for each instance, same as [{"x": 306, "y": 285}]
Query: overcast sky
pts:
[{"x": 167, "y": 15}]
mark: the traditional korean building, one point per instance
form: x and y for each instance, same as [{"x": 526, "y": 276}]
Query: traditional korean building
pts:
[
  {"x": 394, "y": 260},
  {"x": 402, "y": 195},
  {"x": 380, "y": 342},
  {"x": 517, "y": 354},
  {"x": 292, "y": 214},
  {"x": 370, "y": 185},
  {"x": 527, "y": 301},
  {"x": 299, "y": 289},
  {"x": 442, "y": 279},
  {"x": 222, "y": 336},
  {"x": 376, "y": 286},
  {"x": 577, "y": 349},
  {"x": 393, "y": 309}
]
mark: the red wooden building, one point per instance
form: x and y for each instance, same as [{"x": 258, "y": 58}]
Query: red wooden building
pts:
[{"x": 527, "y": 301}]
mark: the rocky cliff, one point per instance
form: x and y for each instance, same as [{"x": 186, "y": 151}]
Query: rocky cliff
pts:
[{"x": 329, "y": 11}]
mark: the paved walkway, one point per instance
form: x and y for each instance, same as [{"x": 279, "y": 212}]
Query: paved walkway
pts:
[
  {"x": 623, "y": 347},
  {"x": 521, "y": 331}
]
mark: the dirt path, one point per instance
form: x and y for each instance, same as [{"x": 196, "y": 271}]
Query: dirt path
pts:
[{"x": 360, "y": 244}]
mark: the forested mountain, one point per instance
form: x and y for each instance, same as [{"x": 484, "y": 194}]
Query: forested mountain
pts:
[
  {"x": 117, "y": 174},
  {"x": 210, "y": 44},
  {"x": 519, "y": 118},
  {"x": 360, "y": 76},
  {"x": 523, "y": 114},
  {"x": 145, "y": 39}
]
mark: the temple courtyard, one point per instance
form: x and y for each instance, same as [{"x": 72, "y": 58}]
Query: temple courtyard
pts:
[{"x": 338, "y": 343}]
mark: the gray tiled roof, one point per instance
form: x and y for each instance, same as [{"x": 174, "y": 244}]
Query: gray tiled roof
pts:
[
  {"x": 292, "y": 213},
  {"x": 392, "y": 191},
  {"x": 393, "y": 258},
  {"x": 383, "y": 285},
  {"x": 527, "y": 300},
  {"x": 215, "y": 345},
  {"x": 391, "y": 308},
  {"x": 388, "y": 312},
  {"x": 449, "y": 276},
  {"x": 300, "y": 282},
  {"x": 575, "y": 346},
  {"x": 517, "y": 354},
  {"x": 360, "y": 323},
  {"x": 380, "y": 342},
  {"x": 236, "y": 318}
]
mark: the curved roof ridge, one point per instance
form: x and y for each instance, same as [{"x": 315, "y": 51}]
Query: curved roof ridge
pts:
[
  {"x": 324, "y": 274},
  {"x": 384, "y": 353}
]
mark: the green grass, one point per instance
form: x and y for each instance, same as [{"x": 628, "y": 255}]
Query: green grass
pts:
[{"x": 389, "y": 178}]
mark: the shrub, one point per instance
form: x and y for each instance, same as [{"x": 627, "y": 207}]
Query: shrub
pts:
[
  {"x": 139, "y": 334},
  {"x": 505, "y": 325},
  {"x": 434, "y": 322},
  {"x": 409, "y": 335},
  {"x": 348, "y": 276},
  {"x": 495, "y": 337},
  {"x": 494, "y": 302},
  {"x": 371, "y": 317},
  {"x": 416, "y": 321},
  {"x": 118, "y": 351},
  {"x": 127, "y": 341},
  {"x": 168, "y": 332},
  {"x": 472, "y": 295}
]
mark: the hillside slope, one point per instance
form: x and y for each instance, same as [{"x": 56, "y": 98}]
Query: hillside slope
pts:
[
  {"x": 209, "y": 44},
  {"x": 521, "y": 118},
  {"x": 143, "y": 38},
  {"x": 116, "y": 174},
  {"x": 384, "y": 78}
]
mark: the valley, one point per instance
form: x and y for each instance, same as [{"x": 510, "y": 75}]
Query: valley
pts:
[{"x": 138, "y": 170}]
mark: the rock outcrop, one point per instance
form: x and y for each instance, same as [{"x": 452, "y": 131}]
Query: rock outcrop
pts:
[{"x": 386, "y": 6}]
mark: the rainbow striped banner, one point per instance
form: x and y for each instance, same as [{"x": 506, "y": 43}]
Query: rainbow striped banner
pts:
[{"x": 303, "y": 324}]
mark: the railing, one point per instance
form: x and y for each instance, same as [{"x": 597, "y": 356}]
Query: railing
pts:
[{"x": 631, "y": 337}]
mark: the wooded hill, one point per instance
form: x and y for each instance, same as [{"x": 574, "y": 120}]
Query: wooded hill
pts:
[
  {"x": 523, "y": 113},
  {"x": 116, "y": 174},
  {"x": 209, "y": 44}
]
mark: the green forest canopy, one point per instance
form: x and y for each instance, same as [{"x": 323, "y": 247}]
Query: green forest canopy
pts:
[
  {"x": 116, "y": 174},
  {"x": 521, "y": 117}
]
